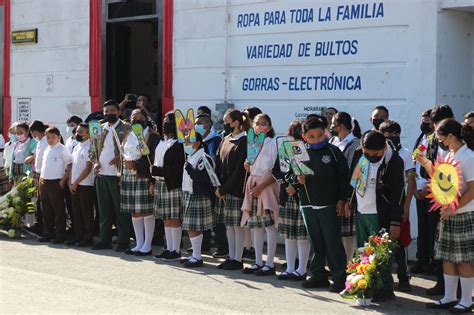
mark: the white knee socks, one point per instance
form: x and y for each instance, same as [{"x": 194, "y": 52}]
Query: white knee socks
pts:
[
  {"x": 196, "y": 243},
  {"x": 258, "y": 243},
  {"x": 303, "y": 255},
  {"x": 466, "y": 290},
  {"x": 271, "y": 245},
  {"x": 138, "y": 227},
  {"x": 239, "y": 243},
  {"x": 290, "y": 253},
  {"x": 176, "y": 237},
  {"x": 169, "y": 239},
  {"x": 149, "y": 223},
  {"x": 231, "y": 241},
  {"x": 450, "y": 288}
]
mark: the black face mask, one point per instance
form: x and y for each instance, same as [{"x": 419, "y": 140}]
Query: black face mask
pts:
[
  {"x": 111, "y": 118},
  {"x": 373, "y": 158},
  {"x": 168, "y": 128},
  {"x": 79, "y": 138},
  {"x": 228, "y": 129},
  {"x": 139, "y": 122},
  {"x": 395, "y": 140},
  {"x": 425, "y": 128},
  {"x": 377, "y": 122},
  {"x": 333, "y": 132},
  {"x": 442, "y": 146}
]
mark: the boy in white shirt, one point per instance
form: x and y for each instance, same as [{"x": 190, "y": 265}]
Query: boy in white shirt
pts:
[
  {"x": 53, "y": 179},
  {"x": 82, "y": 189}
]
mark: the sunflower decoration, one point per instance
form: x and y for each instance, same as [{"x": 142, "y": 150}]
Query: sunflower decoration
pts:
[{"x": 445, "y": 184}]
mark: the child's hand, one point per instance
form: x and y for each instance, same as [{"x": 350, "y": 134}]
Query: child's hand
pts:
[
  {"x": 73, "y": 189},
  {"x": 130, "y": 165},
  {"x": 348, "y": 210},
  {"x": 151, "y": 189},
  {"x": 218, "y": 195},
  {"x": 97, "y": 168},
  {"x": 302, "y": 179},
  {"x": 255, "y": 191},
  {"x": 247, "y": 166},
  {"x": 445, "y": 213},
  {"x": 114, "y": 161},
  {"x": 290, "y": 190},
  {"x": 62, "y": 183},
  {"x": 30, "y": 159},
  {"x": 394, "y": 232},
  {"x": 340, "y": 207}
]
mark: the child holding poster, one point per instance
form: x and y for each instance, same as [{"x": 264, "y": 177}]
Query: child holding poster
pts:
[
  {"x": 261, "y": 197},
  {"x": 328, "y": 190}
]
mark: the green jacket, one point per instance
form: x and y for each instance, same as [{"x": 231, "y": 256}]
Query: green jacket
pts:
[
  {"x": 330, "y": 182},
  {"x": 122, "y": 130}
]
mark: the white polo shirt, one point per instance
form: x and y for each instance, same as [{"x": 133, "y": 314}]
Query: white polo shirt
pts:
[
  {"x": 55, "y": 160},
  {"x": 19, "y": 153},
  {"x": 39, "y": 153},
  {"x": 465, "y": 157},
  {"x": 80, "y": 158},
  {"x": 368, "y": 203},
  {"x": 108, "y": 152}
]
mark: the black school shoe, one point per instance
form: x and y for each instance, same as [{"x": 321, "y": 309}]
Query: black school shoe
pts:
[
  {"x": 172, "y": 256},
  {"x": 71, "y": 242},
  {"x": 265, "y": 271},
  {"x": 440, "y": 305},
  {"x": 249, "y": 253},
  {"x": 284, "y": 276},
  {"x": 251, "y": 269},
  {"x": 336, "y": 287},
  {"x": 313, "y": 283},
  {"x": 193, "y": 263},
  {"x": 225, "y": 263},
  {"x": 44, "y": 239},
  {"x": 234, "y": 265},
  {"x": 58, "y": 241},
  {"x": 462, "y": 309},
  {"x": 295, "y": 276},
  {"x": 220, "y": 253},
  {"x": 120, "y": 248},
  {"x": 84, "y": 243},
  {"x": 404, "y": 284},
  {"x": 162, "y": 255},
  {"x": 143, "y": 254}
]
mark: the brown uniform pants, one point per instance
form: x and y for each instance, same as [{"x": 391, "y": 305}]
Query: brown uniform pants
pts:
[
  {"x": 52, "y": 204},
  {"x": 83, "y": 208}
]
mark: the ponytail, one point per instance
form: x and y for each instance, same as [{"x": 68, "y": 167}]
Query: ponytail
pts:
[
  {"x": 241, "y": 117},
  {"x": 462, "y": 132}
]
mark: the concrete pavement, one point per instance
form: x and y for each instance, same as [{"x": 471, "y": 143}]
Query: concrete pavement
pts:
[{"x": 45, "y": 278}]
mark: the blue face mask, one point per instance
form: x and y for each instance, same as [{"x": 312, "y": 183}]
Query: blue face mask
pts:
[
  {"x": 12, "y": 137},
  {"x": 188, "y": 149},
  {"x": 200, "y": 129},
  {"x": 320, "y": 145}
]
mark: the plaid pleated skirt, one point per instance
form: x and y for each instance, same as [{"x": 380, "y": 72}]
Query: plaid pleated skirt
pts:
[
  {"x": 134, "y": 194},
  {"x": 4, "y": 182},
  {"x": 198, "y": 214},
  {"x": 291, "y": 224},
  {"x": 168, "y": 204},
  {"x": 259, "y": 221},
  {"x": 230, "y": 212},
  {"x": 348, "y": 225},
  {"x": 18, "y": 171},
  {"x": 454, "y": 240}
]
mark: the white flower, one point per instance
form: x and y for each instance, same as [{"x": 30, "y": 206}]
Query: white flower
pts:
[
  {"x": 356, "y": 279},
  {"x": 371, "y": 257},
  {"x": 11, "y": 233}
]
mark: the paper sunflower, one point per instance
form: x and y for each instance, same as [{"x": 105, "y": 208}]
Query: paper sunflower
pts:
[{"x": 445, "y": 184}]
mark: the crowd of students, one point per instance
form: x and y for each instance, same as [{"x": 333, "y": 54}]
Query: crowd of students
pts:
[{"x": 209, "y": 185}]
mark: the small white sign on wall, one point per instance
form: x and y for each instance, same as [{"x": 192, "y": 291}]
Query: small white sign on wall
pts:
[{"x": 23, "y": 109}]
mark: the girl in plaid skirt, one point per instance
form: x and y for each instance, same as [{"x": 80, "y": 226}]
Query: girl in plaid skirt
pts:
[
  {"x": 454, "y": 244},
  {"x": 197, "y": 192},
  {"x": 260, "y": 206},
  {"x": 168, "y": 175},
  {"x": 291, "y": 225},
  {"x": 135, "y": 195},
  {"x": 230, "y": 166},
  {"x": 347, "y": 140}
]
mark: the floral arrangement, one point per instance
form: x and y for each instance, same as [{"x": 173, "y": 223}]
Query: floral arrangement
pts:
[
  {"x": 15, "y": 204},
  {"x": 367, "y": 265}
]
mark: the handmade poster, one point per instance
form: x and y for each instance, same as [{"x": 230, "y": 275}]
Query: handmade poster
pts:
[
  {"x": 185, "y": 126},
  {"x": 445, "y": 184},
  {"x": 362, "y": 170},
  {"x": 420, "y": 149},
  {"x": 297, "y": 154},
  {"x": 254, "y": 145},
  {"x": 210, "y": 171},
  {"x": 282, "y": 156},
  {"x": 95, "y": 129},
  {"x": 138, "y": 131}
]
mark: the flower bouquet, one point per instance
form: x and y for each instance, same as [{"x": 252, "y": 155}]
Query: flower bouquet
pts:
[
  {"x": 366, "y": 268},
  {"x": 15, "y": 205}
]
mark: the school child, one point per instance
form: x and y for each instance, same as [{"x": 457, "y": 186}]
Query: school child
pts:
[
  {"x": 72, "y": 123},
  {"x": 347, "y": 139},
  {"x": 52, "y": 182},
  {"x": 230, "y": 168},
  {"x": 9, "y": 147},
  {"x": 23, "y": 153},
  {"x": 427, "y": 220},
  {"x": 392, "y": 131},
  {"x": 135, "y": 197},
  {"x": 454, "y": 244},
  {"x": 260, "y": 205},
  {"x": 198, "y": 193},
  {"x": 4, "y": 183},
  {"x": 82, "y": 189},
  {"x": 379, "y": 196},
  {"x": 167, "y": 170},
  {"x": 37, "y": 129},
  {"x": 107, "y": 159},
  {"x": 291, "y": 225},
  {"x": 327, "y": 191}
]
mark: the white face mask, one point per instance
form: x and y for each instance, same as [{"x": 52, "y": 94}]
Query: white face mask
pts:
[
  {"x": 188, "y": 149},
  {"x": 69, "y": 131}
]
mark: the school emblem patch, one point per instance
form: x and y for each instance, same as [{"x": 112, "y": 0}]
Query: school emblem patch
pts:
[{"x": 326, "y": 159}]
